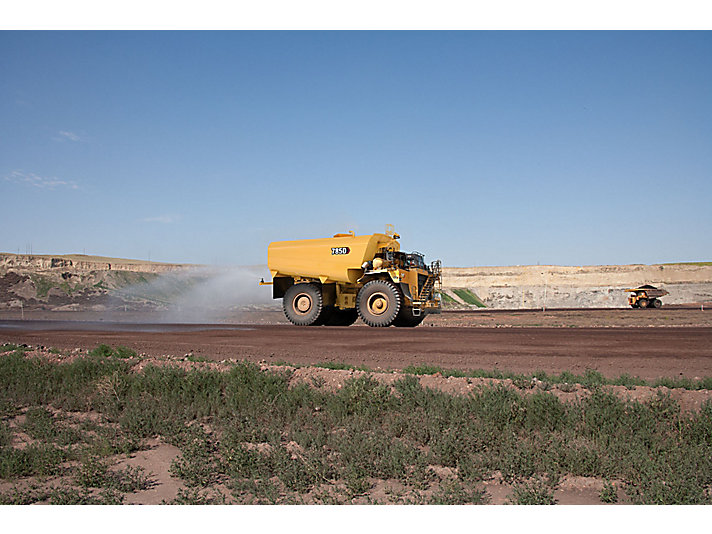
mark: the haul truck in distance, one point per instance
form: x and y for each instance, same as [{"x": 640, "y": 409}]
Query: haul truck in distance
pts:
[
  {"x": 646, "y": 296},
  {"x": 335, "y": 280}
]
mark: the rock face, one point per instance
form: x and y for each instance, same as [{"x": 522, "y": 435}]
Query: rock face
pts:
[
  {"x": 79, "y": 262},
  {"x": 599, "y": 286},
  {"x": 73, "y": 281}
]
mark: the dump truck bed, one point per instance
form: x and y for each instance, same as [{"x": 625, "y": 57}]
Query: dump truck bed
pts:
[{"x": 650, "y": 291}]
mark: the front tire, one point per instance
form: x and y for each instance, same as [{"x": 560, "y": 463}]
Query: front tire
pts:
[
  {"x": 303, "y": 304},
  {"x": 642, "y": 303},
  {"x": 378, "y": 303}
]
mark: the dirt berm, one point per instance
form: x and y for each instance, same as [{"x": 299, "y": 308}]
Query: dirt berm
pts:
[{"x": 592, "y": 286}]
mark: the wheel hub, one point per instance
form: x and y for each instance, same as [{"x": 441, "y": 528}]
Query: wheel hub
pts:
[
  {"x": 378, "y": 304},
  {"x": 302, "y": 303}
]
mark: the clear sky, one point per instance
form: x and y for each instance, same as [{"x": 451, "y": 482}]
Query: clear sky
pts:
[{"x": 482, "y": 148}]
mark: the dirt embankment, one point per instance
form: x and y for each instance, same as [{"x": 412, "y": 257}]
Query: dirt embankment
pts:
[
  {"x": 599, "y": 286},
  {"x": 80, "y": 262},
  {"x": 74, "y": 282},
  {"x": 77, "y": 282}
]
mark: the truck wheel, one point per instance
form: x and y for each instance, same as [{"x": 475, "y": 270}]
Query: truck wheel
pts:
[
  {"x": 657, "y": 303},
  {"x": 303, "y": 304},
  {"x": 642, "y": 303},
  {"x": 378, "y": 303},
  {"x": 407, "y": 319},
  {"x": 339, "y": 317}
]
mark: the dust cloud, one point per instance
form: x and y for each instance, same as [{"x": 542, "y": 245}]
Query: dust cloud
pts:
[{"x": 200, "y": 295}]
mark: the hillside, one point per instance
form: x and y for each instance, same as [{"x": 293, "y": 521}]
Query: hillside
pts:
[
  {"x": 94, "y": 283},
  {"x": 75, "y": 281},
  {"x": 599, "y": 286},
  {"x": 82, "y": 262}
]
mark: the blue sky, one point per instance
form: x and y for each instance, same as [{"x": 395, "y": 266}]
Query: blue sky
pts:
[{"x": 483, "y": 148}]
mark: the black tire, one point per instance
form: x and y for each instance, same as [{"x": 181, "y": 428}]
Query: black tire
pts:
[
  {"x": 339, "y": 317},
  {"x": 406, "y": 319},
  {"x": 657, "y": 303},
  {"x": 303, "y": 304},
  {"x": 642, "y": 303},
  {"x": 378, "y": 303},
  {"x": 323, "y": 317}
]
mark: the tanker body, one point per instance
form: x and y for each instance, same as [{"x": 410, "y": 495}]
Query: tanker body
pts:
[{"x": 333, "y": 281}]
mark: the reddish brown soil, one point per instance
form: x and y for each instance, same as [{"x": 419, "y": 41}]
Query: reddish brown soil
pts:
[{"x": 647, "y": 352}]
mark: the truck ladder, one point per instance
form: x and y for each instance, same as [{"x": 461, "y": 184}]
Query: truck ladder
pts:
[{"x": 427, "y": 289}]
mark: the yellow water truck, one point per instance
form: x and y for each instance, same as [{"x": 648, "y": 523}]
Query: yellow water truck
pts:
[{"x": 333, "y": 281}]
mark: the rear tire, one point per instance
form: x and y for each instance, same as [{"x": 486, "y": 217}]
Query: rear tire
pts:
[
  {"x": 378, "y": 303},
  {"x": 406, "y": 319},
  {"x": 303, "y": 304},
  {"x": 657, "y": 303},
  {"x": 642, "y": 303}
]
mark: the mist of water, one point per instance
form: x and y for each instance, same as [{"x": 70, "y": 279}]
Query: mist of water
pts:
[{"x": 200, "y": 295}]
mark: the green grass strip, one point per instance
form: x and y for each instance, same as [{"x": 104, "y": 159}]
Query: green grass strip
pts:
[{"x": 469, "y": 297}]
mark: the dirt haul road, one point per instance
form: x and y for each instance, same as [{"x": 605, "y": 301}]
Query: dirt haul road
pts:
[{"x": 648, "y": 353}]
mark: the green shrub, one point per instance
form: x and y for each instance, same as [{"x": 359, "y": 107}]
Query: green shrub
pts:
[
  {"x": 198, "y": 465},
  {"x": 92, "y": 473},
  {"x": 5, "y": 434},
  {"x": 28, "y": 495},
  {"x": 452, "y": 492},
  {"x": 42, "y": 284},
  {"x": 42, "y": 425},
  {"x": 102, "y": 351},
  {"x": 609, "y": 493},
  {"x": 193, "y": 496},
  {"x": 37, "y": 459},
  {"x": 422, "y": 369},
  {"x": 124, "y": 352},
  {"x": 95, "y": 473},
  {"x": 532, "y": 492},
  {"x": 72, "y": 496},
  {"x": 544, "y": 411}
]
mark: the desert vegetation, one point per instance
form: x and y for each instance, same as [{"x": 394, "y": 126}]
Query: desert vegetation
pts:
[{"x": 248, "y": 435}]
